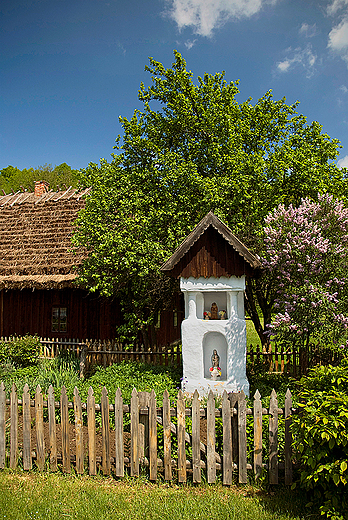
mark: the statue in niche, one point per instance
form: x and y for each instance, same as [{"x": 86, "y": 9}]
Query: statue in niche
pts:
[
  {"x": 214, "y": 311},
  {"x": 223, "y": 315},
  {"x": 215, "y": 370}
]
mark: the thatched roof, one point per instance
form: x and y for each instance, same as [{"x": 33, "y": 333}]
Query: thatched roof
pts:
[
  {"x": 35, "y": 239},
  {"x": 203, "y": 253}
]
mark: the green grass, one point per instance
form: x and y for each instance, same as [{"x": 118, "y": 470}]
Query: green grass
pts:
[
  {"x": 54, "y": 496},
  {"x": 252, "y": 335}
]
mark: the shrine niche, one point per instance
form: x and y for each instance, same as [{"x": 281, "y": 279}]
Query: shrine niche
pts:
[{"x": 212, "y": 265}]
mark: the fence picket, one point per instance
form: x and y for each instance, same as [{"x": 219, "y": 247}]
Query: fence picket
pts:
[
  {"x": 242, "y": 440},
  {"x": 119, "y": 444},
  {"x": 65, "y": 430},
  {"x": 104, "y": 405},
  {"x": 211, "y": 461},
  {"x": 134, "y": 433},
  {"x": 14, "y": 427},
  {"x": 52, "y": 428},
  {"x": 92, "y": 464},
  {"x": 27, "y": 463},
  {"x": 2, "y": 425},
  {"x": 40, "y": 441},
  {"x": 288, "y": 438},
  {"x": 153, "y": 436},
  {"x": 143, "y": 439},
  {"x": 78, "y": 431},
  {"x": 273, "y": 439},
  {"x": 227, "y": 468},
  {"x": 167, "y": 436},
  {"x": 196, "y": 432},
  {"x": 257, "y": 434},
  {"x": 233, "y": 398},
  {"x": 180, "y": 413}
]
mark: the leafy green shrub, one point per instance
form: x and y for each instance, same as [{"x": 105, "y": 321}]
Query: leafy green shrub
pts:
[
  {"x": 128, "y": 375},
  {"x": 22, "y": 351},
  {"x": 321, "y": 438}
]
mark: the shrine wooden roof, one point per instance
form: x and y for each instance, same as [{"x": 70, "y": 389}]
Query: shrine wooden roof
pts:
[{"x": 211, "y": 250}]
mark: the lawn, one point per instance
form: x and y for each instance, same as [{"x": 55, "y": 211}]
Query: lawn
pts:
[{"x": 54, "y": 496}]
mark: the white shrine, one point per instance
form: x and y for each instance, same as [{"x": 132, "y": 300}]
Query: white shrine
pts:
[{"x": 212, "y": 265}]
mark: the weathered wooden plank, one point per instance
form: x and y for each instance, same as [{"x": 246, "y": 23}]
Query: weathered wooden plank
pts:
[
  {"x": 65, "y": 430},
  {"x": 143, "y": 447},
  {"x": 257, "y": 434},
  {"x": 211, "y": 461},
  {"x": 40, "y": 441},
  {"x": 27, "y": 462},
  {"x": 134, "y": 433},
  {"x": 227, "y": 467},
  {"x": 52, "y": 428},
  {"x": 242, "y": 439},
  {"x": 233, "y": 398},
  {"x": 153, "y": 436},
  {"x": 180, "y": 407},
  {"x": 273, "y": 439},
  {"x": 167, "y": 436},
  {"x": 196, "y": 434},
  {"x": 92, "y": 464},
  {"x": 2, "y": 425},
  {"x": 105, "y": 432},
  {"x": 288, "y": 438},
  {"x": 119, "y": 444},
  {"x": 14, "y": 428},
  {"x": 78, "y": 432}
]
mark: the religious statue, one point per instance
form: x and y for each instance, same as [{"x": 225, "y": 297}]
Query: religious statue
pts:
[
  {"x": 215, "y": 370},
  {"x": 223, "y": 315},
  {"x": 215, "y": 359},
  {"x": 214, "y": 311}
]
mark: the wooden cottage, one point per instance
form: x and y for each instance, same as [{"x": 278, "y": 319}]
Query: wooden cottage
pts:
[
  {"x": 38, "y": 294},
  {"x": 38, "y": 271}
]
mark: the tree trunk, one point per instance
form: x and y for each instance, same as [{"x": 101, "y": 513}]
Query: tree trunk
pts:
[{"x": 250, "y": 306}]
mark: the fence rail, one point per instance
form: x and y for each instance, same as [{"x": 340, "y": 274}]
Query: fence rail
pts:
[{"x": 192, "y": 439}]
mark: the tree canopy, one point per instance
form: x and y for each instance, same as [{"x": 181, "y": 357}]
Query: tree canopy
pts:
[
  {"x": 12, "y": 178},
  {"x": 191, "y": 149},
  {"x": 306, "y": 252}
]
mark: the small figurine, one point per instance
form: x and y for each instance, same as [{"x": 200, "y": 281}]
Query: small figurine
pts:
[
  {"x": 223, "y": 315},
  {"x": 215, "y": 370},
  {"x": 206, "y": 315},
  {"x": 215, "y": 359},
  {"x": 214, "y": 311}
]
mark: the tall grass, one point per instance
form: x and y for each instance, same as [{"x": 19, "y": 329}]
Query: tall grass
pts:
[{"x": 51, "y": 497}]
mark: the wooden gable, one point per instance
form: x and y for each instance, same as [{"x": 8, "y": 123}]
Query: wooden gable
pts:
[{"x": 211, "y": 250}]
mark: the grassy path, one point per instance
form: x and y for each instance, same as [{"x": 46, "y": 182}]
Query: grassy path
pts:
[{"x": 49, "y": 496}]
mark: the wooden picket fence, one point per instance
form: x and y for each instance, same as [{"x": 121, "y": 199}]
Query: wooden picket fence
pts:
[
  {"x": 277, "y": 359},
  {"x": 25, "y": 436}
]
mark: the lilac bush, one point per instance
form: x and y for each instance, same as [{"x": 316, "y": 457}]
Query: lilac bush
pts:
[{"x": 306, "y": 253}]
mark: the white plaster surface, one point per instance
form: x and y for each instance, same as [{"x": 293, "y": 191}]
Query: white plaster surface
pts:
[
  {"x": 223, "y": 283},
  {"x": 200, "y": 337}
]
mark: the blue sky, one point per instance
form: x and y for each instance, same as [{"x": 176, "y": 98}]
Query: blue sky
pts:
[{"x": 70, "y": 68}]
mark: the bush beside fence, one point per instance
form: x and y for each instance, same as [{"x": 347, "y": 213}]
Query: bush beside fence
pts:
[{"x": 179, "y": 442}]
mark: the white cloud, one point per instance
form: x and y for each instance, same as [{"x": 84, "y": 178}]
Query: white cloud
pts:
[
  {"x": 343, "y": 163},
  {"x": 338, "y": 36},
  {"x": 335, "y": 6},
  {"x": 302, "y": 57},
  {"x": 338, "y": 39},
  {"x": 308, "y": 30},
  {"x": 189, "y": 44},
  {"x": 343, "y": 89},
  {"x": 206, "y": 15}
]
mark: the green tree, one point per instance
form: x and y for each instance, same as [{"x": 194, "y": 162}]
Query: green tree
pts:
[
  {"x": 195, "y": 148},
  {"x": 12, "y": 178}
]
